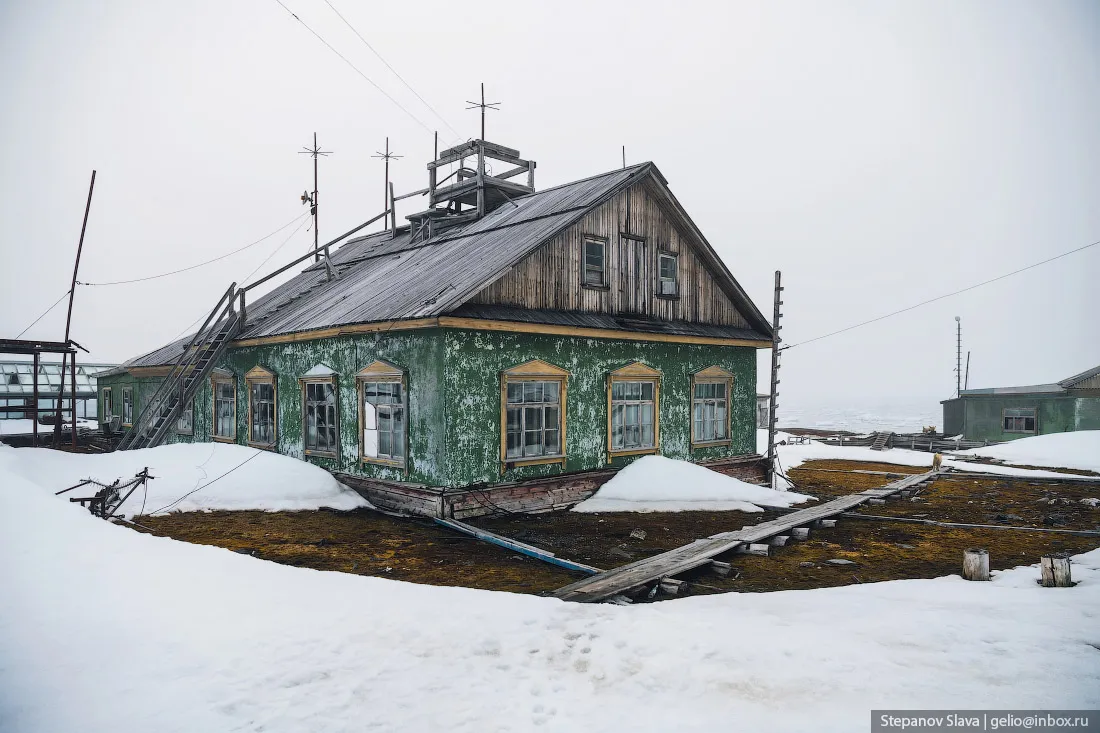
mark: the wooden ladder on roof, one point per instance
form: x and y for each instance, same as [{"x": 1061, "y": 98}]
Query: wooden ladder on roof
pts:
[{"x": 187, "y": 374}]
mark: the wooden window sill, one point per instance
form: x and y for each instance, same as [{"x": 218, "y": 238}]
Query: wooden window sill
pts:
[
  {"x": 533, "y": 461},
  {"x": 222, "y": 439},
  {"x": 632, "y": 452},
  {"x": 189, "y": 433},
  {"x": 262, "y": 446},
  {"x": 711, "y": 443},
  {"x": 320, "y": 454},
  {"x": 593, "y": 286},
  {"x": 389, "y": 462},
  {"x": 668, "y": 296}
]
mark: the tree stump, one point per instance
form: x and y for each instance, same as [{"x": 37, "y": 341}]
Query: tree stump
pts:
[
  {"x": 975, "y": 564},
  {"x": 1056, "y": 571}
]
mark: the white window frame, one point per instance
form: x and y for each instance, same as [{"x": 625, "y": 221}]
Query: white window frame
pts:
[
  {"x": 635, "y": 373},
  {"x": 128, "y": 407},
  {"x": 604, "y": 280},
  {"x": 1020, "y": 419},
  {"x": 189, "y": 411},
  {"x": 668, "y": 287},
  {"x": 215, "y": 380},
  {"x": 312, "y": 380},
  {"x": 108, "y": 404},
  {"x": 534, "y": 371}
]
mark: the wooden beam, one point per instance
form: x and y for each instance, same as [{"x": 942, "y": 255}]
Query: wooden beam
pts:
[{"x": 480, "y": 324}]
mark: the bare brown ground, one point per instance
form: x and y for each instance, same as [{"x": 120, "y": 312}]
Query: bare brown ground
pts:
[
  {"x": 368, "y": 543},
  {"x": 365, "y": 543}
]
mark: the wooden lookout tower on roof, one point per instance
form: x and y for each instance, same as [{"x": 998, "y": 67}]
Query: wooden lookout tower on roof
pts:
[{"x": 469, "y": 193}]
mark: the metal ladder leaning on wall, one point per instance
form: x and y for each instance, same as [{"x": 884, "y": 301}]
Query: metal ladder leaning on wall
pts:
[{"x": 187, "y": 374}]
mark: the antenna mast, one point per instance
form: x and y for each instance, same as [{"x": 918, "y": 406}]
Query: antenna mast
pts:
[
  {"x": 958, "y": 356},
  {"x": 387, "y": 189},
  {"x": 311, "y": 199},
  {"x": 483, "y": 106}
]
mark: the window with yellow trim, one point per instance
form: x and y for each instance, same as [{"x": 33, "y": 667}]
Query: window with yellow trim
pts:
[
  {"x": 633, "y": 410},
  {"x": 533, "y": 413},
  {"x": 383, "y": 410},
  {"x": 261, "y": 407},
  {"x": 711, "y": 391}
]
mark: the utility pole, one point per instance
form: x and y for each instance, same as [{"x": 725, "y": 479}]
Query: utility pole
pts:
[
  {"x": 68, "y": 324},
  {"x": 387, "y": 157},
  {"x": 311, "y": 199},
  {"x": 958, "y": 356},
  {"x": 773, "y": 401},
  {"x": 483, "y": 106},
  {"x": 966, "y": 379}
]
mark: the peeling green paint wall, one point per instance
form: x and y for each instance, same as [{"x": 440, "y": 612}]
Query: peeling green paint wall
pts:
[
  {"x": 454, "y": 398},
  {"x": 475, "y": 359}
]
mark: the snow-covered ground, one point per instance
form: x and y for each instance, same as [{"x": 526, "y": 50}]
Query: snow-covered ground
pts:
[
  {"x": 1064, "y": 450},
  {"x": 189, "y": 477},
  {"x": 905, "y": 417},
  {"x": 105, "y": 629},
  {"x": 659, "y": 484}
]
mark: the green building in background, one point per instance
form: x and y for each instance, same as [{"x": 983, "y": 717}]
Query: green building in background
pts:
[{"x": 1006, "y": 413}]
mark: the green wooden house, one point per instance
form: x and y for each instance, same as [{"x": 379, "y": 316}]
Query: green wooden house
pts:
[
  {"x": 1006, "y": 413},
  {"x": 508, "y": 347}
]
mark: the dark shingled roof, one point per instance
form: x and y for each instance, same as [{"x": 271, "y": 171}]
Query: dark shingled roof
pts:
[{"x": 384, "y": 278}]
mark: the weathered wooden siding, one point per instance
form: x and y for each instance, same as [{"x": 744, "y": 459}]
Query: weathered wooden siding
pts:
[{"x": 550, "y": 277}]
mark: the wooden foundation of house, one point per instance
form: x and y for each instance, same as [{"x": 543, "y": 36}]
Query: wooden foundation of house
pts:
[{"x": 531, "y": 496}]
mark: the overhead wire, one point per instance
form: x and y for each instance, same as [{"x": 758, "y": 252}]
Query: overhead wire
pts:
[
  {"x": 208, "y": 483},
  {"x": 200, "y": 264},
  {"x": 941, "y": 297},
  {"x": 246, "y": 277},
  {"x": 36, "y": 320},
  {"x": 356, "y": 69},
  {"x": 388, "y": 66}
]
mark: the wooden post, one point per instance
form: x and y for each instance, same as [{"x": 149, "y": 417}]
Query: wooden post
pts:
[
  {"x": 34, "y": 415},
  {"x": 773, "y": 401},
  {"x": 1056, "y": 571},
  {"x": 393, "y": 214},
  {"x": 975, "y": 564},
  {"x": 72, "y": 395},
  {"x": 481, "y": 174},
  {"x": 800, "y": 533}
]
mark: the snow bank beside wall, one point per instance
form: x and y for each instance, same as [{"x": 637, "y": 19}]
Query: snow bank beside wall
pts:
[
  {"x": 250, "y": 478},
  {"x": 659, "y": 484}
]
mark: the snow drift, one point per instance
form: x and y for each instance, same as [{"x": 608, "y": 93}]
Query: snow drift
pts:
[
  {"x": 1079, "y": 450},
  {"x": 190, "y": 477},
  {"x": 106, "y": 630},
  {"x": 659, "y": 484}
]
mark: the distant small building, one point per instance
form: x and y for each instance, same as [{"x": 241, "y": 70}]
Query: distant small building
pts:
[{"x": 1006, "y": 413}]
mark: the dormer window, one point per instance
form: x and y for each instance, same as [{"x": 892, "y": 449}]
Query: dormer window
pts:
[
  {"x": 667, "y": 271},
  {"x": 594, "y": 262}
]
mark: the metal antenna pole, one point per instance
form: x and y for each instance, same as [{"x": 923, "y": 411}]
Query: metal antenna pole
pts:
[
  {"x": 624, "y": 157},
  {"x": 312, "y": 199},
  {"x": 482, "y": 105},
  {"x": 773, "y": 401},
  {"x": 68, "y": 324},
  {"x": 966, "y": 379},
  {"x": 387, "y": 199},
  {"x": 958, "y": 356}
]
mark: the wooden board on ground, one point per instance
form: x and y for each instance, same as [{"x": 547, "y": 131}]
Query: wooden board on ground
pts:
[{"x": 688, "y": 557}]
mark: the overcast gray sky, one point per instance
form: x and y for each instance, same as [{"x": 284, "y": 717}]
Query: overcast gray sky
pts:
[{"x": 879, "y": 153}]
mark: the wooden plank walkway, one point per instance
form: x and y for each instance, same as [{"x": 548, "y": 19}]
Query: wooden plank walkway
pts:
[{"x": 700, "y": 552}]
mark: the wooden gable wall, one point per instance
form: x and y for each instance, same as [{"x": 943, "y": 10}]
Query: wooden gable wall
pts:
[{"x": 550, "y": 277}]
